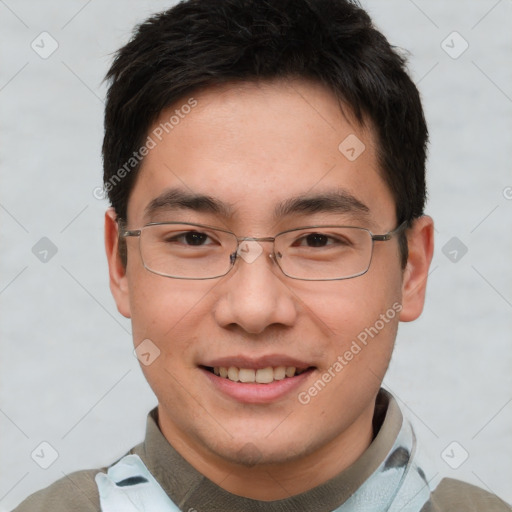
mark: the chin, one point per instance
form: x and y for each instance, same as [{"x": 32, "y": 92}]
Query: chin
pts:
[{"x": 249, "y": 451}]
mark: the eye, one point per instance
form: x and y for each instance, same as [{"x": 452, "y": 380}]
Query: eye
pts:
[
  {"x": 318, "y": 240},
  {"x": 193, "y": 238}
]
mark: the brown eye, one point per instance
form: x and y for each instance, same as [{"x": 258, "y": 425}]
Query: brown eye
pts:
[
  {"x": 317, "y": 240},
  {"x": 192, "y": 238},
  {"x": 195, "y": 238}
]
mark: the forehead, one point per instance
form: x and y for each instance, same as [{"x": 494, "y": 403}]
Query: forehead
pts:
[{"x": 257, "y": 146}]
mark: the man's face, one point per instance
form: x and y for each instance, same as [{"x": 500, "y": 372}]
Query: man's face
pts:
[{"x": 255, "y": 148}]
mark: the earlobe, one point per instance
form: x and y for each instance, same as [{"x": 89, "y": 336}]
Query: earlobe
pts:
[
  {"x": 116, "y": 269},
  {"x": 420, "y": 239}
]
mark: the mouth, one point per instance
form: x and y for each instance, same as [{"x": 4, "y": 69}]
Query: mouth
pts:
[
  {"x": 266, "y": 375},
  {"x": 261, "y": 381}
]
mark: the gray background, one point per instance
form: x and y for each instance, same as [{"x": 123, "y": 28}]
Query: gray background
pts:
[{"x": 68, "y": 375}]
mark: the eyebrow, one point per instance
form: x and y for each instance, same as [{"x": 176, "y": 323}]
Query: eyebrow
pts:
[
  {"x": 179, "y": 199},
  {"x": 336, "y": 201}
]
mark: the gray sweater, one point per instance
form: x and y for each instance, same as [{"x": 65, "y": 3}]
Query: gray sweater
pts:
[{"x": 190, "y": 490}]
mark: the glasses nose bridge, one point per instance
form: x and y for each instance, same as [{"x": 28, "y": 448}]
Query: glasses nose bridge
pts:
[
  {"x": 255, "y": 239},
  {"x": 241, "y": 239}
]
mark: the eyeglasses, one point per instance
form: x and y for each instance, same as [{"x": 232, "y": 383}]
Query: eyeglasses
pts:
[{"x": 183, "y": 250}]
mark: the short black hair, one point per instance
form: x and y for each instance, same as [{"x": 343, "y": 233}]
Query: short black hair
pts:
[{"x": 200, "y": 43}]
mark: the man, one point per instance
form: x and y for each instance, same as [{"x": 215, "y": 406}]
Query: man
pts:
[{"x": 265, "y": 162}]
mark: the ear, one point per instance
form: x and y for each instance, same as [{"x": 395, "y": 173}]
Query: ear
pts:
[
  {"x": 116, "y": 269},
  {"x": 420, "y": 241}
]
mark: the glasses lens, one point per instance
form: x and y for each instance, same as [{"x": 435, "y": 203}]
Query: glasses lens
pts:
[
  {"x": 186, "y": 251},
  {"x": 324, "y": 253}
]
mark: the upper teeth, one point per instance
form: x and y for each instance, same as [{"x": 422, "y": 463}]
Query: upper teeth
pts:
[{"x": 261, "y": 376}]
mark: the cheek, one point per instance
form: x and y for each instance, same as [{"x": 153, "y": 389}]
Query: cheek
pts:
[
  {"x": 166, "y": 310},
  {"x": 360, "y": 319},
  {"x": 351, "y": 305}
]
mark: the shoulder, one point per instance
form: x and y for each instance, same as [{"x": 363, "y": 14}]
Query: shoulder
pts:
[
  {"x": 453, "y": 494},
  {"x": 76, "y": 491}
]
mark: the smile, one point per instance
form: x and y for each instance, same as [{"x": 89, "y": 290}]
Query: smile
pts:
[
  {"x": 260, "y": 376},
  {"x": 257, "y": 382}
]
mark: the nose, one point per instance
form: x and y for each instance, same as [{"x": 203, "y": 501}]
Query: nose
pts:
[{"x": 254, "y": 295}]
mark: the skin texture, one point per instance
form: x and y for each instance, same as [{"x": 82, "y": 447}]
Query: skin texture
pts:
[{"x": 253, "y": 146}]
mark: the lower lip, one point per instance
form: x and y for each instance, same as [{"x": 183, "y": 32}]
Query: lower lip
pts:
[{"x": 254, "y": 393}]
